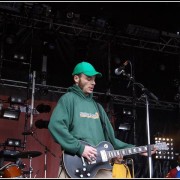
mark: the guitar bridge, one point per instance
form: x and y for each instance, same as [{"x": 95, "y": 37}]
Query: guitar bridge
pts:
[{"x": 92, "y": 162}]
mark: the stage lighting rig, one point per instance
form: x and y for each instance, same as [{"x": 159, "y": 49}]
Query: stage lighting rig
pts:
[{"x": 165, "y": 154}]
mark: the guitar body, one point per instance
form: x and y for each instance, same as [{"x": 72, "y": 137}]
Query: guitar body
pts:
[
  {"x": 79, "y": 167},
  {"x": 76, "y": 169}
]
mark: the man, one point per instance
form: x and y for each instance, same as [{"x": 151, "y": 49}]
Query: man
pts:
[{"x": 78, "y": 118}]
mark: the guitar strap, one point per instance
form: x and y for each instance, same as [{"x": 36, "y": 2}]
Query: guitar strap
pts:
[{"x": 103, "y": 124}]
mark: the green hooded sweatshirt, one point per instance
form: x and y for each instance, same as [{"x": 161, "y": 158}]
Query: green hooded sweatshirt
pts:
[{"x": 76, "y": 117}]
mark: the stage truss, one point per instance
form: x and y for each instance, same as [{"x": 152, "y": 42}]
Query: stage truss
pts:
[
  {"x": 165, "y": 43},
  {"x": 116, "y": 99}
]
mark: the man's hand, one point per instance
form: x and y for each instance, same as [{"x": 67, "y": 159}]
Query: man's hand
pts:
[
  {"x": 152, "y": 152},
  {"x": 118, "y": 159},
  {"x": 89, "y": 153}
]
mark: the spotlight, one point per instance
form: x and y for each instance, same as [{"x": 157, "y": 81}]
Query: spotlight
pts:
[
  {"x": 70, "y": 15},
  {"x": 125, "y": 126},
  {"x": 101, "y": 23},
  {"x": 16, "y": 100},
  {"x": 165, "y": 154},
  {"x": 11, "y": 113},
  {"x": 15, "y": 56},
  {"x": 19, "y": 56},
  {"x": 127, "y": 112},
  {"x": 13, "y": 142},
  {"x": 73, "y": 17}
]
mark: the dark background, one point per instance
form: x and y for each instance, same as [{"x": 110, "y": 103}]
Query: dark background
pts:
[
  {"x": 154, "y": 68},
  {"x": 105, "y": 34}
]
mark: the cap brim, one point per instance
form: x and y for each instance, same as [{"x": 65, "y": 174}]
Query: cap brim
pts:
[{"x": 98, "y": 74}]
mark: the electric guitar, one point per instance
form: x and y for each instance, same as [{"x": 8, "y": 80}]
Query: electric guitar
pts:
[{"x": 79, "y": 167}]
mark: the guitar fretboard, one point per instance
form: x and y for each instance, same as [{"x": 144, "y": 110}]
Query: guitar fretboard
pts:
[{"x": 127, "y": 151}]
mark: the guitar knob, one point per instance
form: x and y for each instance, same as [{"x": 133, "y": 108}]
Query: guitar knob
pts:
[
  {"x": 84, "y": 169},
  {"x": 81, "y": 175},
  {"x": 88, "y": 174},
  {"x": 77, "y": 170}
]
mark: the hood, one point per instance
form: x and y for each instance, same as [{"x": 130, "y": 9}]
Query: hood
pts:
[{"x": 77, "y": 90}]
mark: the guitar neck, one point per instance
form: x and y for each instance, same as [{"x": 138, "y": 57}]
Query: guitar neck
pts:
[{"x": 127, "y": 151}]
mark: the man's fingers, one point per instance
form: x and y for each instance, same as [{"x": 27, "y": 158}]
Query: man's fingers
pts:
[{"x": 90, "y": 153}]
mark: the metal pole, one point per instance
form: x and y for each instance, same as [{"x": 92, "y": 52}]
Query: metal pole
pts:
[
  {"x": 146, "y": 94},
  {"x": 32, "y": 98},
  {"x": 134, "y": 103},
  {"x": 30, "y": 167},
  {"x": 45, "y": 162},
  {"x": 148, "y": 137}
]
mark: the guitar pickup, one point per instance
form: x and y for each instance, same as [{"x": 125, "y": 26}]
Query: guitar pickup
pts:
[{"x": 104, "y": 156}]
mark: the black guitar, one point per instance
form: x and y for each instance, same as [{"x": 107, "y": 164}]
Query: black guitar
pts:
[{"x": 79, "y": 167}]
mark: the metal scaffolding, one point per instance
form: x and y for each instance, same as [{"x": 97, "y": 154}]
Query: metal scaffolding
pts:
[
  {"x": 165, "y": 42},
  {"x": 116, "y": 99}
]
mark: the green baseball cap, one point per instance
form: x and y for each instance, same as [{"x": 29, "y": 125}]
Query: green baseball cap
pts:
[{"x": 85, "y": 68}]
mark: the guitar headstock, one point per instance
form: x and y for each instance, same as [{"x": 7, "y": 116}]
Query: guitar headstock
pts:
[{"x": 161, "y": 146}]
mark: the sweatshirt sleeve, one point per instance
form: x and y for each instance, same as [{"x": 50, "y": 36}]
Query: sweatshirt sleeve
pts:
[
  {"x": 59, "y": 126},
  {"x": 117, "y": 144}
]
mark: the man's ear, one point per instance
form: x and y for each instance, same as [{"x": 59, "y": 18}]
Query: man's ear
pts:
[{"x": 76, "y": 78}]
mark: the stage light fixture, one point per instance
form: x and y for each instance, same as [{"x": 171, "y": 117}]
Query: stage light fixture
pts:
[
  {"x": 19, "y": 56},
  {"x": 15, "y": 56},
  {"x": 11, "y": 113},
  {"x": 127, "y": 112},
  {"x": 70, "y": 15},
  {"x": 101, "y": 22},
  {"x": 13, "y": 142},
  {"x": 73, "y": 17},
  {"x": 125, "y": 126},
  {"x": 165, "y": 154},
  {"x": 142, "y": 32},
  {"x": 16, "y": 100}
]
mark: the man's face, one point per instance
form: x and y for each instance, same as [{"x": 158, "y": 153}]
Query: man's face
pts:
[{"x": 86, "y": 83}]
